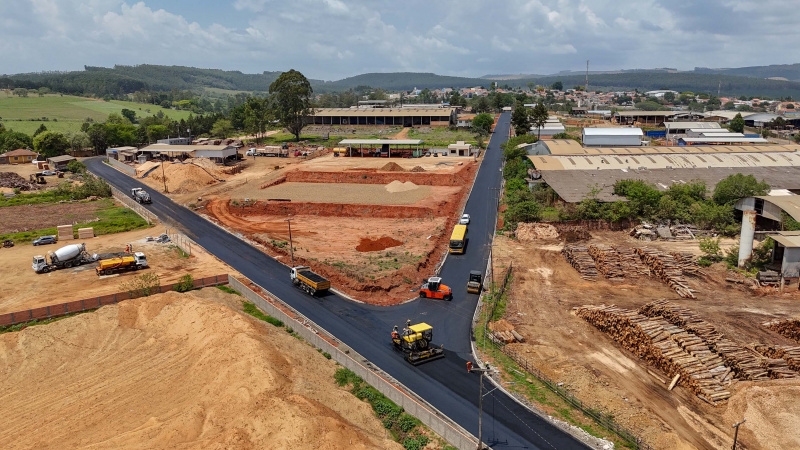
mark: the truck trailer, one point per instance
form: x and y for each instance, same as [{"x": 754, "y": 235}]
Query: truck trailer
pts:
[
  {"x": 65, "y": 257},
  {"x": 305, "y": 279},
  {"x": 121, "y": 264}
]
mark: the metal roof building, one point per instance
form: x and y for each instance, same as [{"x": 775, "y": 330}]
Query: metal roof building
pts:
[
  {"x": 683, "y": 127},
  {"x": 721, "y": 140},
  {"x": 378, "y": 145},
  {"x": 406, "y": 116},
  {"x": 771, "y": 208},
  {"x": 612, "y": 137}
]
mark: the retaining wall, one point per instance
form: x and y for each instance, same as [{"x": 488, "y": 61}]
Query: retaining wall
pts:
[
  {"x": 122, "y": 166},
  {"x": 395, "y": 391},
  {"x": 132, "y": 204},
  {"x": 88, "y": 304}
]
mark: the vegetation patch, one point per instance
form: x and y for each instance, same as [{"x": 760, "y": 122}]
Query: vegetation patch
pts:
[
  {"x": 252, "y": 309},
  {"x": 228, "y": 289},
  {"x": 23, "y": 325}
]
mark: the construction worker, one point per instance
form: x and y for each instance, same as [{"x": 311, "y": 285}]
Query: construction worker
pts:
[
  {"x": 469, "y": 366},
  {"x": 394, "y": 333},
  {"x": 128, "y": 248}
]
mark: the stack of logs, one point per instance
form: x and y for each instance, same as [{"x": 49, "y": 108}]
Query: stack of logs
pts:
[
  {"x": 666, "y": 269},
  {"x": 631, "y": 263},
  {"x": 788, "y": 353},
  {"x": 682, "y": 317},
  {"x": 687, "y": 263},
  {"x": 608, "y": 261},
  {"x": 581, "y": 260},
  {"x": 666, "y": 346},
  {"x": 788, "y": 328}
]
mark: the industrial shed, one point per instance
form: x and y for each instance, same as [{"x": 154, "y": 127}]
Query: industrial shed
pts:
[
  {"x": 771, "y": 208},
  {"x": 406, "y": 117},
  {"x": 548, "y": 129},
  {"x": 612, "y": 137},
  {"x": 684, "y": 127},
  {"x": 60, "y": 162},
  {"x": 720, "y": 139}
]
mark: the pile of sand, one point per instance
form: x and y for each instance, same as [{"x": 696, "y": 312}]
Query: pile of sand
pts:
[
  {"x": 392, "y": 167},
  {"x": 533, "y": 231},
  {"x": 174, "y": 371},
  {"x": 399, "y": 186},
  {"x": 772, "y": 412},
  {"x": 417, "y": 169},
  {"x": 183, "y": 178},
  {"x": 144, "y": 168}
]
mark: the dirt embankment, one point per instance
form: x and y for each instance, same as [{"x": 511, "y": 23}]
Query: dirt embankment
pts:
[
  {"x": 322, "y": 209},
  {"x": 175, "y": 371},
  {"x": 368, "y": 176}
]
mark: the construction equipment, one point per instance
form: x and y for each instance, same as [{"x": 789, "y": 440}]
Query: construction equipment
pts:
[
  {"x": 305, "y": 279},
  {"x": 8, "y": 243},
  {"x": 475, "y": 281},
  {"x": 415, "y": 343},
  {"x": 65, "y": 257},
  {"x": 121, "y": 264},
  {"x": 435, "y": 289},
  {"x": 140, "y": 195},
  {"x": 37, "y": 178}
]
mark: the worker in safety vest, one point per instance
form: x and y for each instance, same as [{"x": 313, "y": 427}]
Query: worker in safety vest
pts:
[
  {"x": 469, "y": 366},
  {"x": 394, "y": 333}
]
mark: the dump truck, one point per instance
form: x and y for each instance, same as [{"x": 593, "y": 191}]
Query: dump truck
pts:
[
  {"x": 415, "y": 342},
  {"x": 305, "y": 279},
  {"x": 140, "y": 195},
  {"x": 475, "y": 281},
  {"x": 435, "y": 289},
  {"x": 121, "y": 264},
  {"x": 65, "y": 257}
]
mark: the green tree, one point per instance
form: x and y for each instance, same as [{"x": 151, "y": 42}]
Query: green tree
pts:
[
  {"x": 737, "y": 124},
  {"x": 257, "y": 116},
  {"x": 729, "y": 105},
  {"x": 291, "y": 101},
  {"x": 78, "y": 141},
  {"x": 51, "y": 143},
  {"x": 222, "y": 128},
  {"x": 12, "y": 140},
  {"x": 129, "y": 114},
  {"x": 21, "y": 92},
  {"x": 40, "y": 130},
  {"x": 156, "y": 132},
  {"x": 98, "y": 135},
  {"x": 520, "y": 119},
  {"x": 481, "y": 105},
  {"x": 76, "y": 166},
  {"x": 483, "y": 121},
  {"x": 557, "y": 86},
  {"x": 733, "y": 187},
  {"x": 539, "y": 117},
  {"x": 669, "y": 97}
]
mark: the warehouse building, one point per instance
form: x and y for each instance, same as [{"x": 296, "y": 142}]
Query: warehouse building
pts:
[
  {"x": 550, "y": 128},
  {"x": 722, "y": 139},
  {"x": 630, "y": 117},
  {"x": 218, "y": 153},
  {"x": 406, "y": 117},
  {"x": 684, "y": 127},
  {"x": 612, "y": 137}
]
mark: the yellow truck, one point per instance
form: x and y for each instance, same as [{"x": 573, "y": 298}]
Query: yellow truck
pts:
[
  {"x": 121, "y": 264},
  {"x": 305, "y": 279}
]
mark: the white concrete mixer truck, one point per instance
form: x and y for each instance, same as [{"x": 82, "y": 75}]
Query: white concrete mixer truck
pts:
[{"x": 65, "y": 257}]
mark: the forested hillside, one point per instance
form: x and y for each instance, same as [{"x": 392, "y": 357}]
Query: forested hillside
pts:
[{"x": 788, "y": 71}]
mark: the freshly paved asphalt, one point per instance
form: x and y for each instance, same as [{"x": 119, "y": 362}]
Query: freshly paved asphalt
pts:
[{"x": 366, "y": 328}]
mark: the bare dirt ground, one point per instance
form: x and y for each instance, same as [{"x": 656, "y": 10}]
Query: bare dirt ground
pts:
[
  {"x": 607, "y": 377},
  {"x": 30, "y": 290},
  {"x": 175, "y": 371},
  {"x": 14, "y": 219}
]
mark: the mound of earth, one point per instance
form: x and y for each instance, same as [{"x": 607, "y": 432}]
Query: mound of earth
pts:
[
  {"x": 772, "y": 412},
  {"x": 12, "y": 180},
  {"x": 144, "y": 168},
  {"x": 392, "y": 167},
  {"x": 417, "y": 169},
  {"x": 183, "y": 178},
  {"x": 174, "y": 371},
  {"x": 373, "y": 245},
  {"x": 533, "y": 231},
  {"x": 399, "y": 186}
]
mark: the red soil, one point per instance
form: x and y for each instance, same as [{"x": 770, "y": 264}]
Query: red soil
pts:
[
  {"x": 460, "y": 178},
  {"x": 330, "y": 210},
  {"x": 374, "y": 245}
]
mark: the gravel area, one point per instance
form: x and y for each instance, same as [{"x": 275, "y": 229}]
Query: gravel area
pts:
[{"x": 367, "y": 194}]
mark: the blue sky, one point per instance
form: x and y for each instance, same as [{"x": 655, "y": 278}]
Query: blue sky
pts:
[{"x": 332, "y": 39}]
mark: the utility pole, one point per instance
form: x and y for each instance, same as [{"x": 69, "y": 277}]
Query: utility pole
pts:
[
  {"x": 480, "y": 406},
  {"x": 291, "y": 246},
  {"x": 164, "y": 177},
  {"x": 736, "y": 433}
]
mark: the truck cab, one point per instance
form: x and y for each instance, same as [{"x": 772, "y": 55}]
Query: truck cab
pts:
[
  {"x": 140, "y": 260},
  {"x": 39, "y": 263}
]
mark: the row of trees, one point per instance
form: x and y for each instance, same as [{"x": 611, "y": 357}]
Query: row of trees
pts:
[{"x": 523, "y": 118}]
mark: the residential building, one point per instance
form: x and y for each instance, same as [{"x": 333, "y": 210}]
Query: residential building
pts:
[{"x": 18, "y": 156}]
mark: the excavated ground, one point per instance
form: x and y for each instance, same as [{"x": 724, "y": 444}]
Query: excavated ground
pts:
[{"x": 591, "y": 365}]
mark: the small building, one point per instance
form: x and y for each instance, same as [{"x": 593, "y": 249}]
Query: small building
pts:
[
  {"x": 60, "y": 162},
  {"x": 548, "y": 129},
  {"x": 787, "y": 253},
  {"x": 125, "y": 154},
  {"x": 175, "y": 141},
  {"x": 612, "y": 137},
  {"x": 630, "y": 117},
  {"x": 684, "y": 127},
  {"x": 579, "y": 111},
  {"x": 461, "y": 148},
  {"x": 18, "y": 156},
  {"x": 219, "y": 155},
  {"x": 465, "y": 120},
  {"x": 767, "y": 212}
]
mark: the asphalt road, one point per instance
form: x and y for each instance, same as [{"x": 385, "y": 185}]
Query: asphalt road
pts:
[{"x": 366, "y": 328}]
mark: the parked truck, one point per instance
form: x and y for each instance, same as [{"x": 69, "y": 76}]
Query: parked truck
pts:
[
  {"x": 121, "y": 264},
  {"x": 65, "y": 257},
  {"x": 305, "y": 279},
  {"x": 140, "y": 195},
  {"x": 269, "y": 150}
]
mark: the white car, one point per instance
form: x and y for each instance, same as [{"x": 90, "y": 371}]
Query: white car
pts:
[
  {"x": 48, "y": 173},
  {"x": 464, "y": 220}
]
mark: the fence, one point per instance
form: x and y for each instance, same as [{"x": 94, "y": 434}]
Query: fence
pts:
[
  {"x": 121, "y": 166},
  {"x": 88, "y": 304},
  {"x": 132, "y": 204},
  {"x": 392, "y": 389},
  {"x": 183, "y": 242}
]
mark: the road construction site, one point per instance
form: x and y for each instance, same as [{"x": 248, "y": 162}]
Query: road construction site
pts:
[{"x": 612, "y": 320}]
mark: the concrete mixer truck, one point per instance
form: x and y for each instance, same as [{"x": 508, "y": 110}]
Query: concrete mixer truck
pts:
[{"x": 65, "y": 257}]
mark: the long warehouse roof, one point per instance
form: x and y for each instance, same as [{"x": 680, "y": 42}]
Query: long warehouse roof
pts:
[
  {"x": 664, "y": 161},
  {"x": 383, "y": 112},
  {"x": 381, "y": 142},
  {"x": 563, "y": 147}
]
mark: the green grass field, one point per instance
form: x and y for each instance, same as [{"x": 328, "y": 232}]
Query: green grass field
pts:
[{"x": 67, "y": 112}]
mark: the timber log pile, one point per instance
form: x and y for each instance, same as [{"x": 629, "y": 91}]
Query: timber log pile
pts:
[
  {"x": 608, "y": 261},
  {"x": 664, "y": 267},
  {"x": 631, "y": 263},
  {"x": 668, "y": 347},
  {"x": 687, "y": 263},
  {"x": 745, "y": 363},
  {"x": 788, "y": 328},
  {"x": 790, "y": 354},
  {"x": 682, "y": 317},
  {"x": 581, "y": 260}
]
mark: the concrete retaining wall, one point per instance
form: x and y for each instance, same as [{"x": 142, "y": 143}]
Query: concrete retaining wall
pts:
[
  {"x": 132, "y": 204},
  {"x": 453, "y": 433},
  {"x": 121, "y": 166}
]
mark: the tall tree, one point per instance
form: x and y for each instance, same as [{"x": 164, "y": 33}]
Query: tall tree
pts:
[
  {"x": 222, "y": 128},
  {"x": 291, "y": 101},
  {"x": 483, "y": 122},
  {"x": 539, "y": 117},
  {"x": 257, "y": 116},
  {"x": 12, "y": 140},
  {"x": 129, "y": 114},
  {"x": 51, "y": 143},
  {"x": 40, "y": 130},
  {"x": 520, "y": 119},
  {"x": 737, "y": 124}
]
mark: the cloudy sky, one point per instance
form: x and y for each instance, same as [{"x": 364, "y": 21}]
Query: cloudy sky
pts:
[{"x": 332, "y": 39}]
